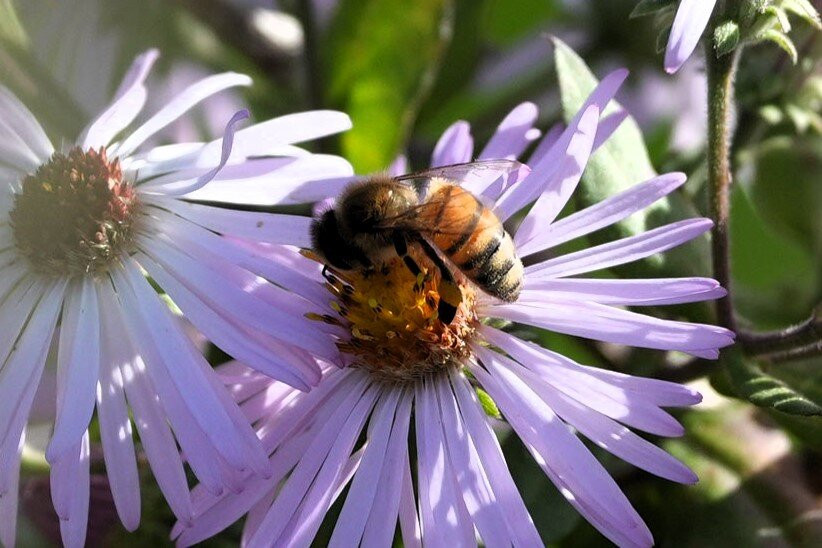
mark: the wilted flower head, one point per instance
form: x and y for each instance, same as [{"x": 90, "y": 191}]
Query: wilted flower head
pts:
[
  {"x": 79, "y": 230},
  {"x": 690, "y": 21},
  {"x": 399, "y": 361}
]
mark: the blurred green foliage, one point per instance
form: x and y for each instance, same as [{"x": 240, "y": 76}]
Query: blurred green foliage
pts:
[{"x": 392, "y": 50}]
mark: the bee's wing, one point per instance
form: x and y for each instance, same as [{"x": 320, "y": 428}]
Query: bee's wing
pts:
[
  {"x": 480, "y": 173},
  {"x": 417, "y": 219}
]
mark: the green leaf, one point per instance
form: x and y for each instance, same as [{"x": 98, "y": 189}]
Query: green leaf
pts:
[
  {"x": 11, "y": 31},
  {"x": 764, "y": 390},
  {"x": 803, "y": 9},
  {"x": 510, "y": 20},
  {"x": 488, "y": 404},
  {"x": 781, "y": 17},
  {"x": 772, "y": 114},
  {"x": 726, "y": 38},
  {"x": 774, "y": 278},
  {"x": 619, "y": 164},
  {"x": 381, "y": 57},
  {"x": 650, "y": 7},
  {"x": 789, "y": 205},
  {"x": 780, "y": 39}
]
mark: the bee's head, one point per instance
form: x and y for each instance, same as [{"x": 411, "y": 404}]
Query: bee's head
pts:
[{"x": 330, "y": 244}]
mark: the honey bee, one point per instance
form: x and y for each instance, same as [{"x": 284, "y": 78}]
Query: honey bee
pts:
[{"x": 377, "y": 219}]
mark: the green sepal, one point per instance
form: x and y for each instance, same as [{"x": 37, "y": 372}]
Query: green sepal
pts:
[{"x": 726, "y": 38}]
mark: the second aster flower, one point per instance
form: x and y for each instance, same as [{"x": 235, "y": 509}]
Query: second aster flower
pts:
[{"x": 396, "y": 418}]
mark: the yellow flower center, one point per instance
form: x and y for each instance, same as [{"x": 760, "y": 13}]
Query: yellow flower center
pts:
[{"x": 391, "y": 315}]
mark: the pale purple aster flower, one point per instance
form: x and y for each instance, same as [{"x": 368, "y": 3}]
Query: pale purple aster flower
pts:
[
  {"x": 399, "y": 361},
  {"x": 691, "y": 18},
  {"x": 80, "y": 229}
]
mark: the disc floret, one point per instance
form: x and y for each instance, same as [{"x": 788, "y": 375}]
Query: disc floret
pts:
[
  {"x": 391, "y": 316},
  {"x": 74, "y": 214}
]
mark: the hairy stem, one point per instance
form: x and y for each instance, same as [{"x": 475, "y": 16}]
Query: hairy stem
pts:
[{"x": 721, "y": 72}]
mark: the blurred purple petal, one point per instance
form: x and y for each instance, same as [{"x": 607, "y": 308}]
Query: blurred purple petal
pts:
[
  {"x": 19, "y": 124},
  {"x": 24, "y": 367},
  {"x": 151, "y": 324},
  {"x": 70, "y": 492},
  {"x": 546, "y": 143},
  {"x": 514, "y": 134},
  {"x": 225, "y": 334},
  {"x": 234, "y": 300},
  {"x": 399, "y": 166},
  {"x": 128, "y": 102},
  {"x": 607, "y": 126},
  {"x": 456, "y": 146},
  {"x": 270, "y": 138},
  {"x": 158, "y": 442},
  {"x": 692, "y": 17}
]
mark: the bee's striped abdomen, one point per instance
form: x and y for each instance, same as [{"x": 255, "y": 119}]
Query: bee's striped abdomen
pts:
[{"x": 474, "y": 240}]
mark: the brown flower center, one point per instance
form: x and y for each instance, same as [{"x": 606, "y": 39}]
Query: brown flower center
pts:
[
  {"x": 391, "y": 315},
  {"x": 74, "y": 214}
]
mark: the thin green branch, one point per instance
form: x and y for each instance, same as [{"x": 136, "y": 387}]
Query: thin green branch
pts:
[
  {"x": 795, "y": 336},
  {"x": 794, "y": 354}
]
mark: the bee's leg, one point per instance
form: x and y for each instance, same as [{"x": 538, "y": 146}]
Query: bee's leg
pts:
[
  {"x": 450, "y": 294},
  {"x": 401, "y": 247}
]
